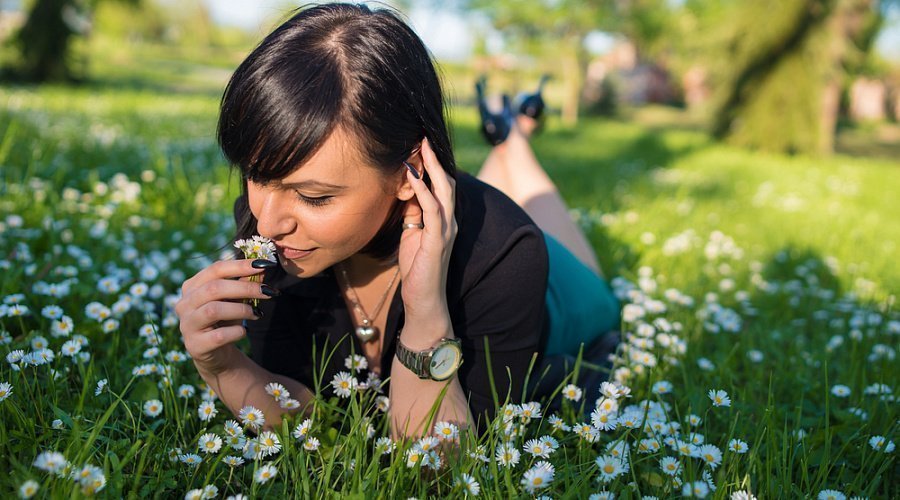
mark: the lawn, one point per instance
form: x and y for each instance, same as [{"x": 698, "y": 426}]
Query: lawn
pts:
[{"x": 770, "y": 278}]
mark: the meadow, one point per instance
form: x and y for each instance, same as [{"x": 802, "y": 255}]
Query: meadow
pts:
[{"x": 759, "y": 322}]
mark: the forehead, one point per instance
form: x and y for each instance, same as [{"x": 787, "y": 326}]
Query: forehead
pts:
[{"x": 338, "y": 161}]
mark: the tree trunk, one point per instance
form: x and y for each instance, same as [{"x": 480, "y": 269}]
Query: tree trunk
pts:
[
  {"x": 573, "y": 74},
  {"x": 43, "y": 41}
]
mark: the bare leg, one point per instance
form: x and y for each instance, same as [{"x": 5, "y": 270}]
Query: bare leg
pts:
[{"x": 513, "y": 168}]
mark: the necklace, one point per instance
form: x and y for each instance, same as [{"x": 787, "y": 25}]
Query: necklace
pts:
[{"x": 366, "y": 332}]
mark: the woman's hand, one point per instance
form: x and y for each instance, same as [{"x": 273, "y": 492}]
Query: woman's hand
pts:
[
  {"x": 424, "y": 254},
  {"x": 210, "y": 313}
]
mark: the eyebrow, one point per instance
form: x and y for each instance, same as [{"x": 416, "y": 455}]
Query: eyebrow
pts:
[{"x": 311, "y": 184}]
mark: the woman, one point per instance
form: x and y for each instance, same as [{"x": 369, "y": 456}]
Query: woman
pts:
[{"x": 336, "y": 124}]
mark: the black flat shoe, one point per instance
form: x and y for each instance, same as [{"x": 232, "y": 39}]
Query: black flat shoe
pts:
[{"x": 494, "y": 126}]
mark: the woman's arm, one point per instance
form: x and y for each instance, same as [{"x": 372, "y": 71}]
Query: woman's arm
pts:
[
  {"x": 424, "y": 258},
  {"x": 242, "y": 382},
  {"x": 411, "y": 397}
]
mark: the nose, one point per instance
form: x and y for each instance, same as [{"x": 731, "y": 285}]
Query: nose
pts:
[{"x": 273, "y": 217}]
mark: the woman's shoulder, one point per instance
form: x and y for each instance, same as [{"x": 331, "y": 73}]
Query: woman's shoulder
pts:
[{"x": 492, "y": 228}]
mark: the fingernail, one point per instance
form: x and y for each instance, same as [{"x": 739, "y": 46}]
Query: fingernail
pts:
[
  {"x": 263, "y": 264},
  {"x": 268, "y": 290},
  {"x": 411, "y": 170},
  {"x": 257, "y": 312}
]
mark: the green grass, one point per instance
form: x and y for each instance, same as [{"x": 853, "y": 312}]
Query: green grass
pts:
[{"x": 801, "y": 250}]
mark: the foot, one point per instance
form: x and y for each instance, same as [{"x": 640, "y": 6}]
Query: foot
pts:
[{"x": 526, "y": 125}]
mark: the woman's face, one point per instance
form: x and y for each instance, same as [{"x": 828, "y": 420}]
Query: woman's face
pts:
[{"x": 328, "y": 209}]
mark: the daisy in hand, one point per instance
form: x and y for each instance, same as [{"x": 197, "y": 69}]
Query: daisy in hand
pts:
[{"x": 256, "y": 247}]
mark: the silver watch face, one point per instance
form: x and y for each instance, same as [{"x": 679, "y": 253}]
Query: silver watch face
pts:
[{"x": 444, "y": 361}]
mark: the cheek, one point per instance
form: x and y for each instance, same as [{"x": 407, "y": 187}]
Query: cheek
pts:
[{"x": 347, "y": 225}]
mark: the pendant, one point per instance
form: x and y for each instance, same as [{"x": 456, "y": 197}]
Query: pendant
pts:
[{"x": 365, "y": 333}]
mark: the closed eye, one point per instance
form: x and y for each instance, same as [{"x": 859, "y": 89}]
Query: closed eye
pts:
[{"x": 316, "y": 201}]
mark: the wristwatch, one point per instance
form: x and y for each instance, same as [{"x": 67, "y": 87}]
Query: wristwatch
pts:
[{"x": 438, "y": 363}]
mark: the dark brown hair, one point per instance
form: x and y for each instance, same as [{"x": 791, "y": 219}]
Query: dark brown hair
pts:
[{"x": 329, "y": 66}]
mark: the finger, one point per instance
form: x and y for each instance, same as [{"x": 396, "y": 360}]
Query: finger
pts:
[
  {"x": 205, "y": 342},
  {"x": 439, "y": 177},
  {"x": 223, "y": 269},
  {"x": 222, "y": 290},
  {"x": 412, "y": 212},
  {"x": 432, "y": 215},
  {"x": 206, "y": 316}
]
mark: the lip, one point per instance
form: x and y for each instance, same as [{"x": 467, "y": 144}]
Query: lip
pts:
[{"x": 293, "y": 253}]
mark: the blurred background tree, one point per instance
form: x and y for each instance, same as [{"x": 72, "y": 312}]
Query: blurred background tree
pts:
[
  {"x": 555, "y": 30},
  {"x": 781, "y": 67}
]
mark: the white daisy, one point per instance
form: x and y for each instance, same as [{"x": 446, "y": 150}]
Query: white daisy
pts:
[
  {"x": 277, "y": 391},
  {"x": 711, "y": 455},
  {"x": 557, "y": 423},
  {"x": 572, "y": 392},
  {"x": 356, "y": 362},
  {"x": 537, "y": 448},
  {"x": 841, "y": 391},
  {"x": 186, "y": 391},
  {"x": 414, "y": 456},
  {"x": 52, "y": 312},
  {"x": 384, "y": 445},
  {"x": 343, "y": 383},
  {"x": 662, "y": 387},
  {"x": 206, "y": 411},
  {"x": 881, "y": 443},
  {"x": 51, "y": 461},
  {"x": 468, "y": 485},
  {"x": 738, "y": 446},
  {"x": 265, "y": 473},
  {"x": 538, "y": 477},
  {"x": 29, "y": 489},
  {"x": 311, "y": 444},
  {"x": 428, "y": 443},
  {"x": 446, "y": 430},
  {"x": 70, "y": 348},
  {"x": 698, "y": 489},
  {"x": 670, "y": 466},
  {"x": 210, "y": 443},
  {"x": 610, "y": 467},
  {"x": 603, "y": 420},
  {"x": 252, "y": 417},
  {"x": 194, "y": 494},
  {"x": 648, "y": 445},
  {"x": 507, "y": 455},
  {"x": 530, "y": 411},
  {"x": 269, "y": 443},
  {"x": 153, "y": 407},
  {"x": 831, "y": 495},
  {"x": 302, "y": 429},
  {"x": 39, "y": 342},
  {"x": 233, "y": 461},
  {"x": 6, "y": 390},
  {"x": 719, "y": 397},
  {"x": 289, "y": 404}
]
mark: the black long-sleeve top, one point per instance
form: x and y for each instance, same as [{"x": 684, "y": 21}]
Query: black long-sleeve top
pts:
[{"x": 496, "y": 285}]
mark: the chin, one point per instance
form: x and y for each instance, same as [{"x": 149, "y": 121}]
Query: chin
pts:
[{"x": 304, "y": 270}]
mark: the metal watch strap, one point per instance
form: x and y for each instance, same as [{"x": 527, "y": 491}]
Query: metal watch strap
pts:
[{"x": 414, "y": 360}]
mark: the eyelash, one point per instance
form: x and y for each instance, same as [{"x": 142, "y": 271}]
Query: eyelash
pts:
[{"x": 315, "y": 202}]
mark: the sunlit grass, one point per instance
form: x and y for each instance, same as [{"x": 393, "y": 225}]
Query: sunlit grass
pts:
[{"x": 777, "y": 276}]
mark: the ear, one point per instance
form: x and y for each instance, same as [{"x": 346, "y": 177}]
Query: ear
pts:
[{"x": 405, "y": 191}]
